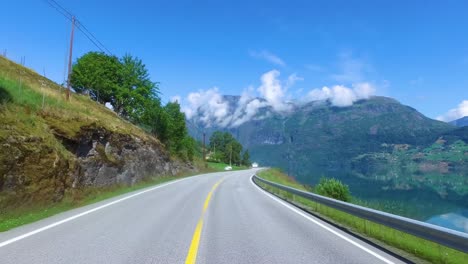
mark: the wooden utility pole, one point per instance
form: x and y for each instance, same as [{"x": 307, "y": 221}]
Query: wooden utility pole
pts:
[{"x": 70, "y": 58}]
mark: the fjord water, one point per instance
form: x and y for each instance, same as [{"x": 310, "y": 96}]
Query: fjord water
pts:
[
  {"x": 422, "y": 205},
  {"x": 419, "y": 204},
  {"x": 456, "y": 220}
]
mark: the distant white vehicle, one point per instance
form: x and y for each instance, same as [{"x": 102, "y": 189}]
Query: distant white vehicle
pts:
[
  {"x": 255, "y": 165},
  {"x": 228, "y": 168}
]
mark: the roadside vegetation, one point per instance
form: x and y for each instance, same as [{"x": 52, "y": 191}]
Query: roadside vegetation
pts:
[
  {"x": 333, "y": 188},
  {"x": 406, "y": 245},
  {"x": 32, "y": 213},
  {"x": 224, "y": 148},
  {"x": 221, "y": 166},
  {"x": 124, "y": 84}
]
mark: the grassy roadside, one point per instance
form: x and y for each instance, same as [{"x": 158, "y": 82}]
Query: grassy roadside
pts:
[
  {"x": 14, "y": 217},
  {"x": 221, "y": 166},
  {"x": 408, "y": 246}
]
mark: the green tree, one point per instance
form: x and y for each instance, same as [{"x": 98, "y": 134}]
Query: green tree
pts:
[
  {"x": 126, "y": 85},
  {"x": 177, "y": 130},
  {"x": 333, "y": 188},
  {"x": 246, "y": 158},
  {"x": 228, "y": 149},
  {"x": 189, "y": 147},
  {"x": 136, "y": 88},
  {"x": 97, "y": 74},
  {"x": 217, "y": 142},
  {"x": 155, "y": 120}
]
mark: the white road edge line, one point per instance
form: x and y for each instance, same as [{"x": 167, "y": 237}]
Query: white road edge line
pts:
[
  {"x": 15, "y": 239},
  {"x": 320, "y": 224}
]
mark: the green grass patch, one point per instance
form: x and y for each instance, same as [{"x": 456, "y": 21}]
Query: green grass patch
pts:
[
  {"x": 275, "y": 175},
  {"x": 406, "y": 245}
]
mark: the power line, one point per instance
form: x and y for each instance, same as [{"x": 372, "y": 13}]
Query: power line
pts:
[
  {"x": 79, "y": 25},
  {"x": 61, "y": 7},
  {"x": 82, "y": 27}
]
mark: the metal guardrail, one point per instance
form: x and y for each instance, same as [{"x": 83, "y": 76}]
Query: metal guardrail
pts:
[{"x": 444, "y": 236}]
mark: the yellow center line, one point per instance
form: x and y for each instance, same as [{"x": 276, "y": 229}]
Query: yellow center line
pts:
[
  {"x": 192, "y": 254},
  {"x": 193, "y": 250}
]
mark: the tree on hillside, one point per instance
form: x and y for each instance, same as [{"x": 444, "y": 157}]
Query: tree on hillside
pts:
[
  {"x": 155, "y": 120},
  {"x": 126, "y": 85},
  {"x": 176, "y": 126},
  {"x": 135, "y": 89},
  {"x": 97, "y": 74},
  {"x": 226, "y": 148},
  {"x": 189, "y": 147}
]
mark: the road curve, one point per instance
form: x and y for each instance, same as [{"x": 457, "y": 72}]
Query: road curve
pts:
[{"x": 211, "y": 218}]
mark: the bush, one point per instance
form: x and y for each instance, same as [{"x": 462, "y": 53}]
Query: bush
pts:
[{"x": 333, "y": 188}]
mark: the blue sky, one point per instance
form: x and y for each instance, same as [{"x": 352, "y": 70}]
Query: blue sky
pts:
[{"x": 414, "y": 51}]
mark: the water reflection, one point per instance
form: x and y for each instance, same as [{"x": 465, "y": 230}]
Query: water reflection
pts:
[{"x": 456, "y": 220}]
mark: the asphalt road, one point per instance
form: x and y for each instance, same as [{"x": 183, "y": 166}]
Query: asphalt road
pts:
[{"x": 212, "y": 218}]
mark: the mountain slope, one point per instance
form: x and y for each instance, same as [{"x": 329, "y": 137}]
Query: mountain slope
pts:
[
  {"x": 460, "y": 122},
  {"x": 51, "y": 147},
  {"x": 359, "y": 144}
]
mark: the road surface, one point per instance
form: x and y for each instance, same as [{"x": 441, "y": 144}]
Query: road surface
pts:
[{"x": 212, "y": 218}]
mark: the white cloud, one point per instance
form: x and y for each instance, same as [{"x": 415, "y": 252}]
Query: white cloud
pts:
[
  {"x": 455, "y": 113},
  {"x": 340, "y": 95},
  {"x": 271, "y": 96},
  {"x": 364, "y": 90},
  {"x": 268, "y": 56},
  {"x": 273, "y": 91},
  {"x": 247, "y": 112},
  {"x": 210, "y": 107},
  {"x": 208, "y": 104}
]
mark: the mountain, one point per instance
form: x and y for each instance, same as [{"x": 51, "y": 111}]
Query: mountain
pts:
[
  {"x": 376, "y": 144},
  {"x": 460, "y": 122},
  {"x": 51, "y": 147}
]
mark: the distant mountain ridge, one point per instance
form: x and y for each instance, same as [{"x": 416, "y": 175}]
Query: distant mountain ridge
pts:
[
  {"x": 376, "y": 141},
  {"x": 460, "y": 122}
]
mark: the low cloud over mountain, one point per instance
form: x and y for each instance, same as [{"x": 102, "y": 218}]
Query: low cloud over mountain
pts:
[
  {"x": 271, "y": 96},
  {"x": 455, "y": 113}
]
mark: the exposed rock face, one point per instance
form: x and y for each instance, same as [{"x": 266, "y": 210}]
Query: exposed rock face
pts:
[
  {"x": 106, "y": 158},
  {"x": 34, "y": 171}
]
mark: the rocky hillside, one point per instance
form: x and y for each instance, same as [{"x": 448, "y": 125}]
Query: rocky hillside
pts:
[
  {"x": 377, "y": 142},
  {"x": 50, "y": 146}
]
